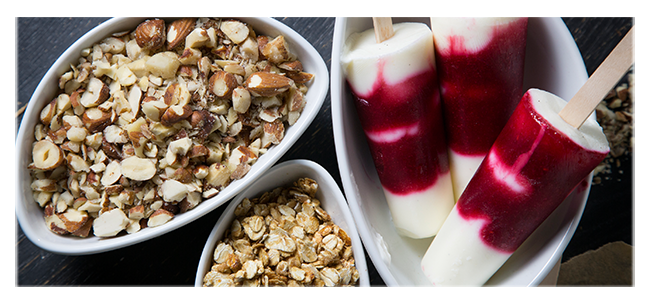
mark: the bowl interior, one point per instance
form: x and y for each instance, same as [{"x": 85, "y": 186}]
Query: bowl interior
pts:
[
  {"x": 30, "y": 215},
  {"x": 283, "y": 174},
  {"x": 553, "y": 63}
]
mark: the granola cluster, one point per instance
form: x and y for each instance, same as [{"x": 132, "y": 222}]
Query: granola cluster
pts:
[
  {"x": 151, "y": 122},
  {"x": 283, "y": 238}
]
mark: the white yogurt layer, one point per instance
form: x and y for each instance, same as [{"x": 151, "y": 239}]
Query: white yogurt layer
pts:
[
  {"x": 475, "y": 33},
  {"x": 590, "y": 135},
  {"x": 421, "y": 214},
  {"x": 462, "y": 169},
  {"x": 458, "y": 257},
  {"x": 399, "y": 57}
]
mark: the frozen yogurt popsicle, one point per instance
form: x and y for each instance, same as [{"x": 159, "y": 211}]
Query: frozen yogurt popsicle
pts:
[
  {"x": 398, "y": 103},
  {"x": 534, "y": 164},
  {"x": 480, "y": 69}
]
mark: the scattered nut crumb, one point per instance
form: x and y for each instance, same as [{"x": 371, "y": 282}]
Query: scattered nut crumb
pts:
[
  {"x": 615, "y": 114},
  {"x": 283, "y": 238},
  {"x": 151, "y": 122}
]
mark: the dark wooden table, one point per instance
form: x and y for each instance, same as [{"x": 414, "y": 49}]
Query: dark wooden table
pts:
[{"x": 172, "y": 259}]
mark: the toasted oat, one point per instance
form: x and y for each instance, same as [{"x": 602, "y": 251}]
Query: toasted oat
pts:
[{"x": 268, "y": 243}]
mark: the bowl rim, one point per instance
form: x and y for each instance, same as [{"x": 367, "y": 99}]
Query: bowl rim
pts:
[
  {"x": 337, "y": 89},
  {"x": 298, "y": 166},
  {"x": 68, "y": 245}
]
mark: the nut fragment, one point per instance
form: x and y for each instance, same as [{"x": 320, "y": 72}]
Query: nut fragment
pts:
[
  {"x": 173, "y": 190},
  {"x": 137, "y": 168},
  {"x": 150, "y": 34},
  {"x": 112, "y": 173},
  {"x": 96, "y": 120},
  {"x": 159, "y": 217},
  {"x": 73, "y": 219},
  {"x": 163, "y": 64},
  {"x": 241, "y": 99},
  {"x": 267, "y": 84},
  {"x": 222, "y": 84},
  {"x": 96, "y": 93},
  {"x": 277, "y": 50},
  {"x": 235, "y": 30},
  {"x": 110, "y": 223},
  {"x": 48, "y": 112},
  {"x": 47, "y": 155},
  {"x": 178, "y": 31},
  {"x": 175, "y": 114}
]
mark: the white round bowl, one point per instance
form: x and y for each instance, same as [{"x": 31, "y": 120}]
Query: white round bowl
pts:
[
  {"x": 30, "y": 215},
  {"x": 329, "y": 194},
  {"x": 553, "y": 63}
]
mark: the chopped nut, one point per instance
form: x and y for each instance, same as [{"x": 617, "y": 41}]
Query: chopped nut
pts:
[
  {"x": 277, "y": 50},
  {"x": 136, "y": 212},
  {"x": 197, "y": 38},
  {"x": 159, "y": 118},
  {"x": 96, "y": 120},
  {"x": 138, "y": 168},
  {"x": 241, "y": 99},
  {"x": 175, "y": 114},
  {"x": 267, "y": 84},
  {"x": 178, "y": 31},
  {"x": 95, "y": 94},
  {"x": 236, "y": 31},
  {"x": 163, "y": 64},
  {"x": 159, "y": 217},
  {"x": 173, "y": 190},
  {"x": 110, "y": 223},
  {"x": 150, "y": 34},
  {"x": 73, "y": 219},
  {"x": 48, "y": 112},
  {"x": 53, "y": 222},
  {"x": 47, "y": 155},
  {"x": 222, "y": 84},
  {"x": 218, "y": 175}
]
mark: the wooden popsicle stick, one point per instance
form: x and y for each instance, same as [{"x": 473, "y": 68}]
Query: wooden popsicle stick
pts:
[
  {"x": 383, "y": 28},
  {"x": 617, "y": 63}
]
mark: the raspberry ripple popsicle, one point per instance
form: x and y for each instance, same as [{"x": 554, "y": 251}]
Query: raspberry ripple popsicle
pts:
[
  {"x": 481, "y": 70},
  {"x": 398, "y": 103},
  {"x": 545, "y": 150}
]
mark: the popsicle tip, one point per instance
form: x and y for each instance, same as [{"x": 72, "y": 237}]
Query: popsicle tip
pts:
[{"x": 383, "y": 28}]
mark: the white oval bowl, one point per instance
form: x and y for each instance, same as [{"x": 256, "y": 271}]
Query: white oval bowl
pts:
[
  {"x": 553, "y": 63},
  {"x": 329, "y": 194},
  {"x": 30, "y": 215}
]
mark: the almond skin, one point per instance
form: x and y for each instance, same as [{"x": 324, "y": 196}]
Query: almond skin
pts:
[
  {"x": 150, "y": 34},
  {"x": 267, "y": 84},
  {"x": 222, "y": 84},
  {"x": 178, "y": 31},
  {"x": 172, "y": 115}
]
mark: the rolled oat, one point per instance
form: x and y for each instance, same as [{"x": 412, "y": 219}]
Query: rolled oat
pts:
[{"x": 283, "y": 238}]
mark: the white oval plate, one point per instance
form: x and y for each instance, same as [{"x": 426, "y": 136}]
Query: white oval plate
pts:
[
  {"x": 30, "y": 215},
  {"x": 329, "y": 194},
  {"x": 553, "y": 63}
]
